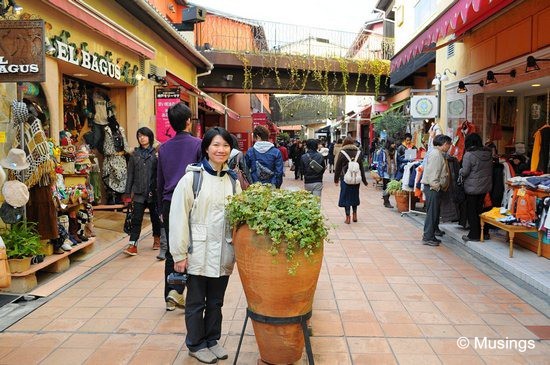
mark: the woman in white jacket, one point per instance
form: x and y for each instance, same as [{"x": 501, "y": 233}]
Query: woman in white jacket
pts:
[{"x": 200, "y": 242}]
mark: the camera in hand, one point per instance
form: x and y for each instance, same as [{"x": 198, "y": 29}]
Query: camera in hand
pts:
[{"x": 177, "y": 278}]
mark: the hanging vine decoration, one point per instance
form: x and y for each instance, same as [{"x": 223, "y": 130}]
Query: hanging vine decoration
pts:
[
  {"x": 377, "y": 68},
  {"x": 345, "y": 73},
  {"x": 300, "y": 67},
  {"x": 247, "y": 71},
  {"x": 361, "y": 68}
]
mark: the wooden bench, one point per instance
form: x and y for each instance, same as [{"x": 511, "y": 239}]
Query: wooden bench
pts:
[
  {"x": 512, "y": 230},
  {"x": 23, "y": 282}
]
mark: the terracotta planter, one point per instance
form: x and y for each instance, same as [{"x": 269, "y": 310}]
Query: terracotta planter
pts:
[
  {"x": 272, "y": 292},
  {"x": 402, "y": 201},
  {"x": 19, "y": 265}
]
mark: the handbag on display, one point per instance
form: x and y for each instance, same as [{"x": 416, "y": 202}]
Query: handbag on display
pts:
[{"x": 128, "y": 219}]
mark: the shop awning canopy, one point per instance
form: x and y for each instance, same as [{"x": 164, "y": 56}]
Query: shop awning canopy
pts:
[
  {"x": 290, "y": 128},
  {"x": 203, "y": 97},
  {"x": 460, "y": 17},
  {"x": 325, "y": 130},
  {"x": 402, "y": 75}
]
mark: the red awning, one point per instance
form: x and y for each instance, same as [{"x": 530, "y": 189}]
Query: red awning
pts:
[
  {"x": 459, "y": 18},
  {"x": 218, "y": 107},
  {"x": 203, "y": 97},
  {"x": 176, "y": 80}
]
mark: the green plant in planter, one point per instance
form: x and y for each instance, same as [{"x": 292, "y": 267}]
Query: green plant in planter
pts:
[
  {"x": 293, "y": 217},
  {"x": 22, "y": 240},
  {"x": 394, "y": 186}
]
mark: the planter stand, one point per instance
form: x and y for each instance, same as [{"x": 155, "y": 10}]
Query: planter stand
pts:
[{"x": 302, "y": 320}]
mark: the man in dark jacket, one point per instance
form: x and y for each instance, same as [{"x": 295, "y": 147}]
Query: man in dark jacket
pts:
[
  {"x": 264, "y": 161},
  {"x": 313, "y": 166},
  {"x": 173, "y": 158}
]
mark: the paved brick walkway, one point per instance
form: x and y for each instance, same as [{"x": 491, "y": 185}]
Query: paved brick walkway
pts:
[{"x": 382, "y": 298}]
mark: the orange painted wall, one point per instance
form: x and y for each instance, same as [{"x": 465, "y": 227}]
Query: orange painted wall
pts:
[
  {"x": 225, "y": 34},
  {"x": 521, "y": 31},
  {"x": 164, "y": 6}
]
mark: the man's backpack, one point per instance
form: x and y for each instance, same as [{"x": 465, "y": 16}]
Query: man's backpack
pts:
[
  {"x": 264, "y": 173},
  {"x": 353, "y": 174}
]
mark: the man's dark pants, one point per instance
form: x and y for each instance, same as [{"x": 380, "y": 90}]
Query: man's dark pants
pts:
[
  {"x": 431, "y": 224},
  {"x": 169, "y": 262}
]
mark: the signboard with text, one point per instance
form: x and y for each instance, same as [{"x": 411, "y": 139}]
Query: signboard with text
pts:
[
  {"x": 259, "y": 119},
  {"x": 22, "y": 51},
  {"x": 242, "y": 140},
  {"x": 164, "y": 99}
]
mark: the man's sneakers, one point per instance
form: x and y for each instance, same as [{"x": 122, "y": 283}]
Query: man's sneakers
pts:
[
  {"x": 439, "y": 233},
  {"x": 170, "y": 306},
  {"x": 175, "y": 298},
  {"x": 431, "y": 242},
  {"x": 130, "y": 250},
  {"x": 219, "y": 351},
  {"x": 204, "y": 355}
]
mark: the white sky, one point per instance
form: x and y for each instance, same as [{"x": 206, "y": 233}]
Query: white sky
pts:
[{"x": 343, "y": 15}]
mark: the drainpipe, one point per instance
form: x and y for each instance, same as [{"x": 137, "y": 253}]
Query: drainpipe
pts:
[{"x": 226, "y": 120}]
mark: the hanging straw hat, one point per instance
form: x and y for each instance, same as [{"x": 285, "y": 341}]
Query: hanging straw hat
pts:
[
  {"x": 15, "y": 160},
  {"x": 15, "y": 193}
]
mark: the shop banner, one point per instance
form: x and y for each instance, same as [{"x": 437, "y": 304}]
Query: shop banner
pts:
[
  {"x": 259, "y": 119},
  {"x": 242, "y": 140},
  {"x": 164, "y": 99},
  {"x": 22, "y": 51}
]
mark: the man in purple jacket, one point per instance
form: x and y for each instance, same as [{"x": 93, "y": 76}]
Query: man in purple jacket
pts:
[{"x": 173, "y": 157}]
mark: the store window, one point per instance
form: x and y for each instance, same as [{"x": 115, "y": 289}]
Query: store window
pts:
[{"x": 501, "y": 117}]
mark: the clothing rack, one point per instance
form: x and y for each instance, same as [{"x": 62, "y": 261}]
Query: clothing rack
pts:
[{"x": 411, "y": 211}]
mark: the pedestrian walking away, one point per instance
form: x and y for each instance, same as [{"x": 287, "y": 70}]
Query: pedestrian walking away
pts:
[
  {"x": 264, "y": 161},
  {"x": 349, "y": 194},
  {"x": 200, "y": 243},
  {"x": 141, "y": 186},
  {"x": 313, "y": 165},
  {"x": 435, "y": 180},
  {"x": 174, "y": 156}
]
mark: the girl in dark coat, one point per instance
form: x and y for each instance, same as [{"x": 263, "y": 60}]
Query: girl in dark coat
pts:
[
  {"x": 349, "y": 194},
  {"x": 141, "y": 184}
]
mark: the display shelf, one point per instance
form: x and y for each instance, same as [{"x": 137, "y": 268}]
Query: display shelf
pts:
[{"x": 49, "y": 260}]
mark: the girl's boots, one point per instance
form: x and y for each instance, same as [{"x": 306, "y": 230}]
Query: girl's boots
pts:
[{"x": 387, "y": 203}]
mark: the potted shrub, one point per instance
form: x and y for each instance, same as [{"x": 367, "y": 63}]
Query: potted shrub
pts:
[
  {"x": 394, "y": 187},
  {"x": 278, "y": 236},
  {"x": 22, "y": 243}
]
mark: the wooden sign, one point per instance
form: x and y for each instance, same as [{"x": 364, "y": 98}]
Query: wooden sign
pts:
[{"x": 22, "y": 51}]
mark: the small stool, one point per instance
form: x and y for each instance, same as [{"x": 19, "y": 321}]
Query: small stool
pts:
[{"x": 277, "y": 321}]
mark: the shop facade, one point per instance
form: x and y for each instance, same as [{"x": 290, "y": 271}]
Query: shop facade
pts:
[{"x": 101, "y": 74}]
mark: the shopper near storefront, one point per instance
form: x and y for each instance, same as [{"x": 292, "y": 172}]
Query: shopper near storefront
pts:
[
  {"x": 313, "y": 165},
  {"x": 173, "y": 158},
  {"x": 264, "y": 160},
  {"x": 201, "y": 243},
  {"x": 400, "y": 159},
  {"x": 436, "y": 180},
  {"x": 141, "y": 186},
  {"x": 349, "y": 194},
  {"x": 477, "y": 171}
]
